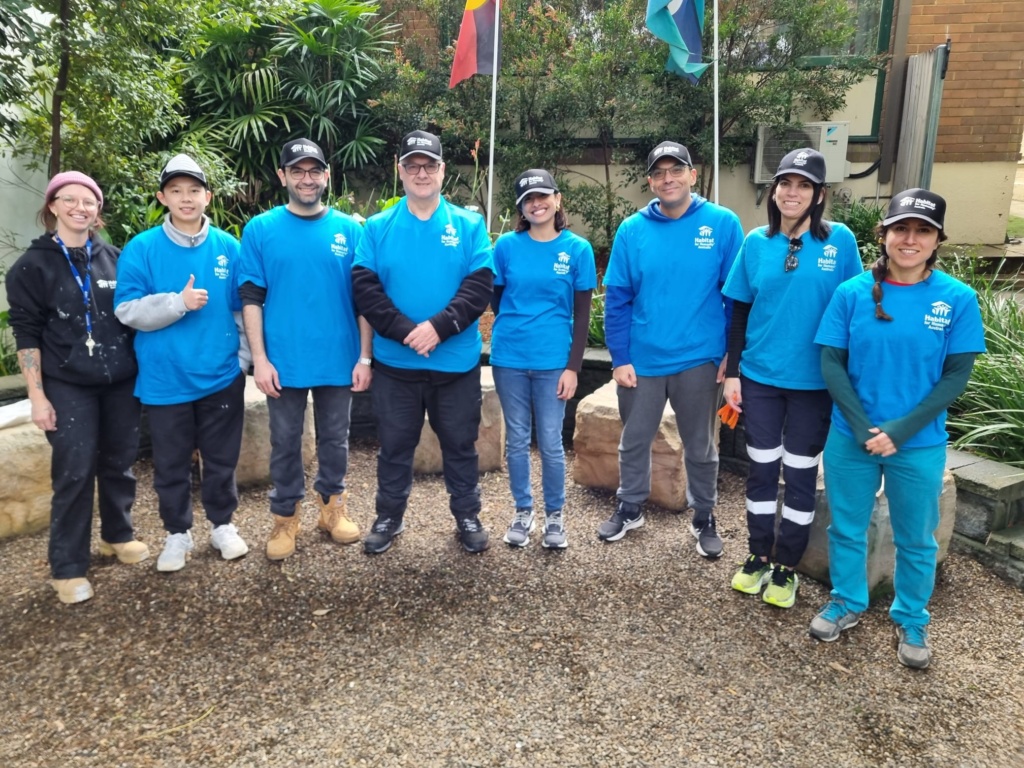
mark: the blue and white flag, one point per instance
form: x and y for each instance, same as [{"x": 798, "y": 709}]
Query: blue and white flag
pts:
[{"x": 680, "y": 23}]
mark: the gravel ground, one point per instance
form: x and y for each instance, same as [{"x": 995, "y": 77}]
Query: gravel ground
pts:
[{"x": 634, "y": 653}]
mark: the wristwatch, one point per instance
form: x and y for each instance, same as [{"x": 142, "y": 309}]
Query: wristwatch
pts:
[{"x": 365, "y": 360}]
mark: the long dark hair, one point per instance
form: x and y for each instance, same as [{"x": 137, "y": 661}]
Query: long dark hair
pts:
[
  {"x": 560, "y": 221},
  {"x": 820, "y": 228},
  {"x": 880, "y": 269}
]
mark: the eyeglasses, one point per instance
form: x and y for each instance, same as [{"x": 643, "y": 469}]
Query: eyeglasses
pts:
[
  {"x": 792, "y": 262},
  {"x": 413, "y": 169},
  {"x": 297, "y": 174},
  {"x": 676, "y": 172},
  {"x": 73, "y": 202}
]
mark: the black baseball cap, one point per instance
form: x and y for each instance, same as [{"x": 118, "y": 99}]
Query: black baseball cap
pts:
[
  {"x": 916, "y": 203},
  {"x": 420, "y": 143},
  {"x": 182, "y": 165},
  {"x": 534, "y": 180},
  {"x": 669, "y": 149},
  {"x": 301, "y": 149},
  {"x": 809, "y": 163}
]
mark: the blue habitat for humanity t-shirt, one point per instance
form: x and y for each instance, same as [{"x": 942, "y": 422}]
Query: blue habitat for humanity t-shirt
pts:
[
  {"x": 674, "y": 269},
  {"x": 787, "y": 306},
  {"x": 309, "y": 320},
  {"x": 894, "y": 365},
  {"x": 196, "y": 355},
  {"x": 533, "y": 329},
  {"x": 421, "y": 265}
]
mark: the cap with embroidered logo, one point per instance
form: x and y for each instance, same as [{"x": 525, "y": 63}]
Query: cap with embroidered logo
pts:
[
  {"x": 916, "y": 204},
  {"x": 534, "y": 180},
  {"x": 182, "y": 165},
  {"x": 301, "y": 149},
  {"x": 669, "y": 149},
  {"x": 806, "y": 162},
  {"x": 420, "y": 143}
]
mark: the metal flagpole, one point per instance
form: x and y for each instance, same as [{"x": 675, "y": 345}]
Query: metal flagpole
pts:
[
  {"x": 494, "y": 106},
  {"x": 716, "y": 98}
]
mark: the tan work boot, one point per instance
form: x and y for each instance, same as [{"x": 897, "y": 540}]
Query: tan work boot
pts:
[
  {"x": 282, "y": 538},
  {"x": 126, "y": 551},
  {"x": 70, "y": 591},
  {"x": 335, "y": 520}
]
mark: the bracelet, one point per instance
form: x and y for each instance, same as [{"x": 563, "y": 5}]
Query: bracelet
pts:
[{"x": 365, "y": 360}]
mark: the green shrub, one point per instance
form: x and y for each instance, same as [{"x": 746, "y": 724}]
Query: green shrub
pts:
[
  {"x": 595, "y": 337},
  {"x": 861, "y": 217},
  {"x": 988, "y": 418}
]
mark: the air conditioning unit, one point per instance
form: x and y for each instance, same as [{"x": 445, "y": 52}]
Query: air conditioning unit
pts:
[{"x": 774, "y": 143}]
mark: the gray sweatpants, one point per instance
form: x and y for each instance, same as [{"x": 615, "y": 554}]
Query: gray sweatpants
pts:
[{"x": 695, "y": 397}]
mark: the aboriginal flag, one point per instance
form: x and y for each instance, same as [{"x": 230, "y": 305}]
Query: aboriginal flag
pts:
[{"x": 474, "y": 53}]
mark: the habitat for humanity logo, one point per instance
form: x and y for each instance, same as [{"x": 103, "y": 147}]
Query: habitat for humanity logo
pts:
[
  {"x": 450, "y": 237},
  {"x": 221, "y": 270},
  {"x": 306, "y": 149},
  {"x": 340, "y": 245},
  {"x": 562, "y": 263},
  {"x": 705, "y": 238},
  {"x": 940, "y": 317},
  {"x": 827, "y": 260},
  {"x": 919, "y": 203},
  {"x": 531, "y": 180},
  {"x": 801, "y": 159}
]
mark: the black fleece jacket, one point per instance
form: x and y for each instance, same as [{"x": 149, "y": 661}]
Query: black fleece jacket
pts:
[{"x": 47, "y": 313}]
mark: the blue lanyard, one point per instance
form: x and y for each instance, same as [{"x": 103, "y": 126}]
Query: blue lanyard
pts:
[{"x": 85, "y": 286}]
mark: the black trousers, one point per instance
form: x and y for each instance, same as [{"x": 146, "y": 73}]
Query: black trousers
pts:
[
  {"x": 453, "y": 406},
  {"x": 213, "y": 424},
  {"x": 95, "y": 444}
]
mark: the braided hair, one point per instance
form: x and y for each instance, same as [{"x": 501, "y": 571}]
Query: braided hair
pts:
[{"x": 880, "y": 270}]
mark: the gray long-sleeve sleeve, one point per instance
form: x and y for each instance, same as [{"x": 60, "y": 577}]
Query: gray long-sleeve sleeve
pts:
[{"x": 153, "y": 312}]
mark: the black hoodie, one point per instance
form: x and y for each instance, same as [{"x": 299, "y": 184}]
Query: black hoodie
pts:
[{"x": 47, "y": 313}]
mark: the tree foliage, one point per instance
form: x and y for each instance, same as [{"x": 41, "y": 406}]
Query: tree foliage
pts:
[{"x": 583, "y": 81}]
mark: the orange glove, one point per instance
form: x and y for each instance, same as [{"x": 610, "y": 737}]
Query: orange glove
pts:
[{"x": 729, "y": 416}]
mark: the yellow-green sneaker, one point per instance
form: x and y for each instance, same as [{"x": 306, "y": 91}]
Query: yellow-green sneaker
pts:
[
  {"x": 751, "y": 576},
  {"x": 781, "y": 591}
]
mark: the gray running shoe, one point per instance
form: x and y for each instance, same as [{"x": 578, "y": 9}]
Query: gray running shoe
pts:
[
  {"x": 554, "y": 532},
  {"x": 709, "y": 543},
  {"x": 832, "y": 620},
  {"x": 627, "y": 517},
  {"x": 912, "y": 646},
  {"x": 518, "y": 533}
]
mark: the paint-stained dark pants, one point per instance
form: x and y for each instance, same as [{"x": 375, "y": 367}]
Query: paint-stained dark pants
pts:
[{"x": 95, "y": 444}]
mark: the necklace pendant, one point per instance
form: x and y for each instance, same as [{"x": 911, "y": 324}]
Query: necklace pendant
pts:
[{"x": 90, "y": 344}]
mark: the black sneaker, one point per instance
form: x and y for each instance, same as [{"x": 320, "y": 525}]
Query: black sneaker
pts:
[
  {"x": 382, "y": 534},
  {"x": 472, "y": 534},
  {"x": 709, "y": 543},
  {"x": 627, "y": 517}
]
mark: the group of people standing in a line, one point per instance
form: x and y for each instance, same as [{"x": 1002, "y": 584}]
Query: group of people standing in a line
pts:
[{"x": 318, "y": 305}]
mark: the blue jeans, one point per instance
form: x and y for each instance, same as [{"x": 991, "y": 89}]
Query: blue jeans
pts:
[
  {"x": 913, "y": 484},
  {"x": 332, "y": 410},
  {"x": 527, "y": 395}
]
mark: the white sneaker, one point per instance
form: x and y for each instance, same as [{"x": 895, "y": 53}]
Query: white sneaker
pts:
[
  {"x": 225, "y": 538},
  {"x": 176, "y": 549}
]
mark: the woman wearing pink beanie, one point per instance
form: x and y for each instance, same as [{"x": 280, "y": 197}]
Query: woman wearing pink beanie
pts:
[{"x": 79, "y": 368}]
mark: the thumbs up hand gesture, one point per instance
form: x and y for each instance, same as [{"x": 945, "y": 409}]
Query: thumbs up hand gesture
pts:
[{"x": 194, "y": 298}]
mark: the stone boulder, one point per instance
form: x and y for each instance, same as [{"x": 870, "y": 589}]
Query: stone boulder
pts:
[
  {"x": 490, "y": 444},
  {"x": 881, "y": 552},
  {"x": 25, "y": 492},
  {"x": 254, "y": 460},
  {"x": 596, "y": 444}
]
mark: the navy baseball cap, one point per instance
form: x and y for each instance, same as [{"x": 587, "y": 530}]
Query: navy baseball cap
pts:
[
  {"x": 669, "y": 149},
  {"x": 916, "y": 203},
  {"x": 300, "y": 149},
  {"x": 534, "y": 180},
  {"x": 420, "y": 143},
  {"x": 808, "y": 163}
]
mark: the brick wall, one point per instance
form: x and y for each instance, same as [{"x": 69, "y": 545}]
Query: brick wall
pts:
[
  {"x": 419, "y": 29},
  {"x": 982, "y": 115}
]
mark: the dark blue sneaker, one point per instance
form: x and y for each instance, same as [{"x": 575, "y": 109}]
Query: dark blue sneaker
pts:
[
  {"x": 627, "y": 517},
  {"x": 472, "y": 534},
  {"x": 382, "y": 534}
]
